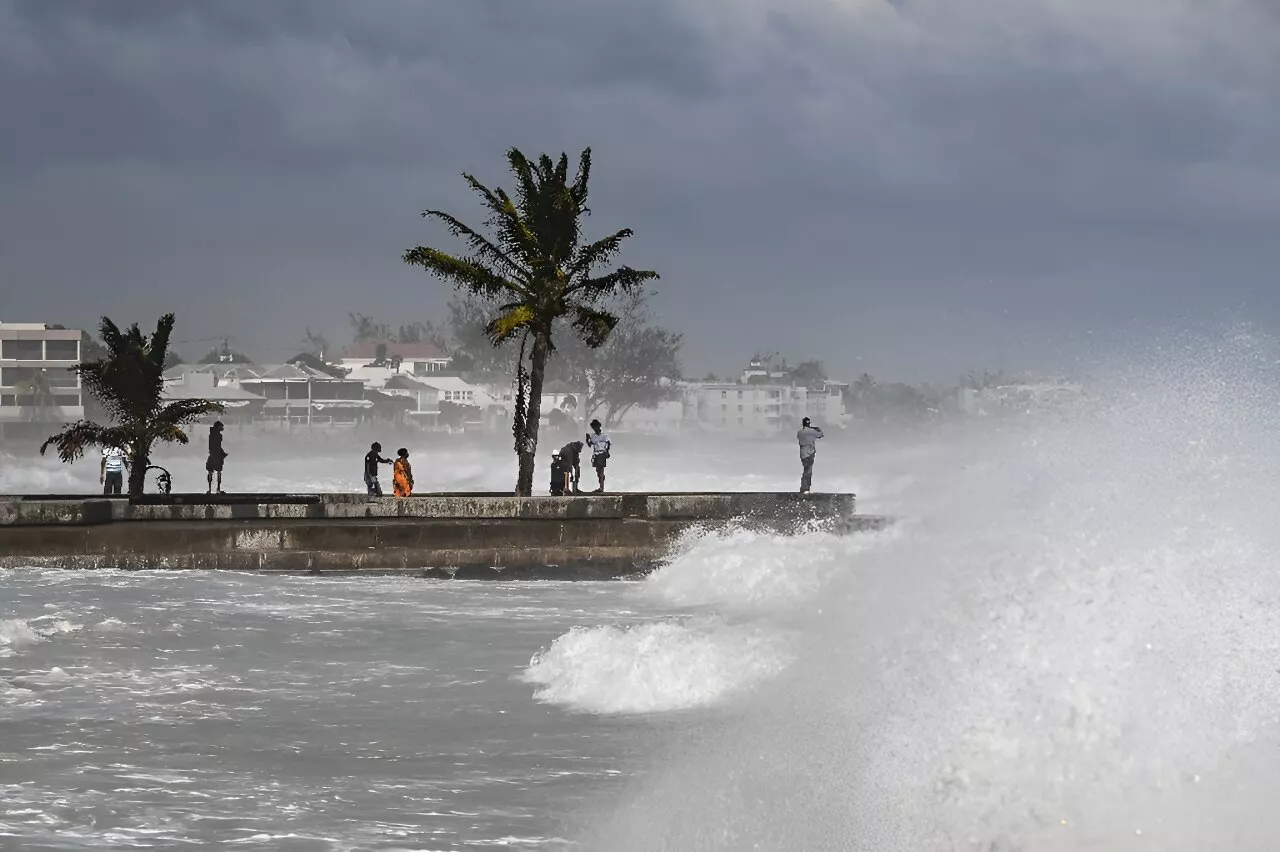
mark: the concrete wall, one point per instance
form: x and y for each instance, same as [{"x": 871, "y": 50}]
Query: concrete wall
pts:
[{"x": 444, "y": 535}]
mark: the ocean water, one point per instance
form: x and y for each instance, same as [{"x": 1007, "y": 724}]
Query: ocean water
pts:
[{"x": 1069, "y": 641}]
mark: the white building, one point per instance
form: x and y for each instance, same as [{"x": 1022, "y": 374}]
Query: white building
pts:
[
  {"x": 38, "y": 382},
  {"x": 762, "y": 406},
  {"x": 417, "y": 360}
]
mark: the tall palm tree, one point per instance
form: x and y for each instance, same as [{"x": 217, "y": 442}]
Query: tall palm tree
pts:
[
  {"x": 534, "y": 272},
  {"x": 129, "y": 382}
]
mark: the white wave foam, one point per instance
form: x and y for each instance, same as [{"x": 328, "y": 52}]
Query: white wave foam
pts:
[
  {"x": 651, "y": 668},
  {"x": 16, "y": 634},
  {"x": 741, "y": 568},
  {"x": 110, "y": 625}
]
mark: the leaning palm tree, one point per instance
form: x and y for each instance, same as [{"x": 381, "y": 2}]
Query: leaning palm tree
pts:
[
  {"x": 534, "y": 272},
  {"x": 129, "y": 382}
]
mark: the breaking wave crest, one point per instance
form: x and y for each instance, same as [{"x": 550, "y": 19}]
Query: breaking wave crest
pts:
[
  {"x": 655, "y": 667},
  {"x": 16, "y": 634}
]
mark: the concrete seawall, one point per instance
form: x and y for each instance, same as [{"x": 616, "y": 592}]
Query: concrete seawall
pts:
[{"x": 465, "y": 536}]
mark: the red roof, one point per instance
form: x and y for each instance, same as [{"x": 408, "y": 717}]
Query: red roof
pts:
[{"x": 368, "y": 350}]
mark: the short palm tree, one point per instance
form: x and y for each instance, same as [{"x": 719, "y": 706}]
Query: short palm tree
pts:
[
  {"x": 129, "y": 382},
  {"x": 536, "y": 271}
]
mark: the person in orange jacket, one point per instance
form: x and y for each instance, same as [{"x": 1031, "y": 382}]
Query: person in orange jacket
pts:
[{"x": 402, "y": 474}]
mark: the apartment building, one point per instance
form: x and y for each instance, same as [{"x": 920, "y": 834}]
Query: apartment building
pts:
[{"x": 38, "y": 383}]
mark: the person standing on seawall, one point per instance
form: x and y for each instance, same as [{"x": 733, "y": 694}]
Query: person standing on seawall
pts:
[
  {"x": 372, "y": 459},
  {"x": 111, "y": 471},
  {"x": 402, "y": 474},
  {"x": 217, "y": 456},
  {"x": 808, "y": 437},
  {"x": 600, "y": 445}
]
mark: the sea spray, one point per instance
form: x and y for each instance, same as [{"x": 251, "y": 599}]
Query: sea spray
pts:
[
  {"x": 1076, "y": 647},
  {"x": 653, "y": 667}
]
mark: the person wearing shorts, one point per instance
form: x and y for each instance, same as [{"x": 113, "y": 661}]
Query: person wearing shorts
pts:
[{"x": 600, "y": 445}]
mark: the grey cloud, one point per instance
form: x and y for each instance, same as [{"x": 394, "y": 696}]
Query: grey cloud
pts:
[{"x": 900, "y": 164}]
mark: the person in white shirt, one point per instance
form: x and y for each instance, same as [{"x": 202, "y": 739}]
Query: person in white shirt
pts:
[
  {"x": 808, "y": 437},
  {"x": 111, "y": 471},
  {"x": 599, "y": 443}
]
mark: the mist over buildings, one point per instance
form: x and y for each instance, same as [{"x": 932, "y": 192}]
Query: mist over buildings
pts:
[{"x": 910, "y": 189}]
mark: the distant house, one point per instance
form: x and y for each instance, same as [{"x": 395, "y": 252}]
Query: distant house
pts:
[
  {"x": 426, "y": 399},
  {"x": 302, "y": 394},
  {"x": 238, "y": 404},
  {"x": 411, "y": 359}
]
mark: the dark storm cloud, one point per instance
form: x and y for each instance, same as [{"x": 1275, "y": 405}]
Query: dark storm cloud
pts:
[{"x": 904, "y": 183}]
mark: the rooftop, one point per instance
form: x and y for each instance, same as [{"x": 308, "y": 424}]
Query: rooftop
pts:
[{"x": 368, "y": 350}]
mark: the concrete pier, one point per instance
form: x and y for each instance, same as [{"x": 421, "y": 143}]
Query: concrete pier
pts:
[{"x": 463, "y": 536}]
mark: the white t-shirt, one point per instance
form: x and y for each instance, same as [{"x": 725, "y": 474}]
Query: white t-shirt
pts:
[
  {"x": 114, "y": 457},
  {"x": 599, "y": 444}
]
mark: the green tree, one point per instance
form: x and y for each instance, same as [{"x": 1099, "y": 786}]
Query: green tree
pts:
[
  {"x": 809, "y": 373},
  {"x": 471, "y": 346},
  {"x": 129, "y": 383},
  {"x": 638, "y": 366},
  {"x": 535, "y": 272},
  {"x": 365, "y": 330},
  {"x": 314, "y": 343}
]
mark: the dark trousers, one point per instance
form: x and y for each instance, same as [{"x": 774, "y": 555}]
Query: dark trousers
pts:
[
  {"x": 806, "y": 474},
  {"x": 375, "y": 488},
  {"x": 113, "y": 483}
]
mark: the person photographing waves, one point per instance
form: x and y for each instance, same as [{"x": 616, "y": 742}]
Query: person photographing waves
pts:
[{"x": 808, "y": 437}]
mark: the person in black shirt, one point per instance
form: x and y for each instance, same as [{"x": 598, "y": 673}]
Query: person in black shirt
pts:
[
  {"x": 371, "y": 461},
  {"x": 217, "y": 456},
  {"x": 571, "y": 458}
]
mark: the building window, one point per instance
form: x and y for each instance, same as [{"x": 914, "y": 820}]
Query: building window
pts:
[
  {"x": 62, "y": 350},
  {"x": 739, "y": 394},
  {"x": 723, "y": 394},
  {"x": 739, "y": 421},
  {"x": 22, "y": 350},
  {"x": 11, "y": 376}
]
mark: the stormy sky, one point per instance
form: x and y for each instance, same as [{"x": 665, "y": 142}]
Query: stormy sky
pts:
[{"x": 906, "y": 187}]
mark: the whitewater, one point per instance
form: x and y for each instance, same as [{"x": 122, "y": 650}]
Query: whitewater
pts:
[{"x": 1068, "y": 641}]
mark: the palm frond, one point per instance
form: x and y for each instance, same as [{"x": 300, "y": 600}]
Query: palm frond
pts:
[
  {"x": 464, "y": 273},
  {"x": 597, "y": 253},
  {"x": 485, "y": 249},
  {"x": 183, "y": 411},
  {"x": 112, "y": 337},
  {"x": 512, "y": 320},
  {"x": 624, "y": 280},
  {"x": 580, "y": 182},
  {"x": 592, "y": 325},
  {"x": 75, "y": 438},
  {"x": 158, "y": 347},
  {"x": 526, "y": 180}
]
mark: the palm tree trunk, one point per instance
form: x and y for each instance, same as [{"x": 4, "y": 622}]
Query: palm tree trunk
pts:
[
  {"x": 138, "y": 472},
  {"x": 529, "y": 447}
]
